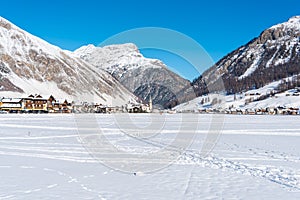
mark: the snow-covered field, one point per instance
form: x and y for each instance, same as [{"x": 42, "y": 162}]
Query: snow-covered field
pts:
[{"x": 54, "y": 157}]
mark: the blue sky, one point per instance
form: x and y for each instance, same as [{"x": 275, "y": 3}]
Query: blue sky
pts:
[{"x": 219, "y": 26}]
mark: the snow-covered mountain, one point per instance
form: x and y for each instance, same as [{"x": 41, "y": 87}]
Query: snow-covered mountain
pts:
[
  {"x": 144, "y": 77},
  {"x": 273, "y": 59},
  {"x": 272, "y": 56},
  {"x": 30, "y": 65}
]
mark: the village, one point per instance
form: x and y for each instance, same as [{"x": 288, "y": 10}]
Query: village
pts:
[
  {"x": 255, "y": 97},
  {"x": 280, "y": 110},
  {"x": 39, "y": 104}
]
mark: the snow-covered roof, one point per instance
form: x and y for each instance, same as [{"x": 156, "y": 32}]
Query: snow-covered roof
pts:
[
  {"x": 11, "y": 100},
  {"x": 40, "y": 99},
  {"x": 10, "y": 105}
]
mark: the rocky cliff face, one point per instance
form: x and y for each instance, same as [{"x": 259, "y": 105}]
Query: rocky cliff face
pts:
[
  {"x": 272, "y": 56},
  {"x": 143, "y": 76},
  {"x": 31, "y": 65}
]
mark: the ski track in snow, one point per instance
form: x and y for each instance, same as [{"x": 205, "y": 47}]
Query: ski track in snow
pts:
[{"x": 270, "y": 173}]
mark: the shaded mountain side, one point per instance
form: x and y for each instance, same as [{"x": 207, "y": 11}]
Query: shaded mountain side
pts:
[
  {"x": 272, "y": 56},
  {"x": 143, "y": 76}
]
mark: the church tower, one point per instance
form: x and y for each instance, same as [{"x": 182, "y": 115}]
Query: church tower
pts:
[{"x": 150, "y": 104}]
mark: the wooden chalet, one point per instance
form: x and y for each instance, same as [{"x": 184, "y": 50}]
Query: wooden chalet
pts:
[
  {"x": 35, "y": 104},
  {"x": 66, "y": 107},
  {"x": 12, "y": 105},
  {"x": 28, "y": 104},
  {"x": 50, "y": 104},
  {"x": 40, "y": 104},
  {"x": 59, "y": 106}
]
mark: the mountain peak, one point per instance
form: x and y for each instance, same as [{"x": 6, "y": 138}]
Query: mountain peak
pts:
[
  {"x": 85, "y": 49},
  {"x": 127, "y": 46},
  {"x": 293, "y": 23},
  {"x": 295, "y": 19},
  {"x": 117, "y": 56},
  {"x": 109, "y": 49}
]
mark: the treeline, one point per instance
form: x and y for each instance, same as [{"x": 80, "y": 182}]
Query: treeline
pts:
[{"x": 259, "y": 78}]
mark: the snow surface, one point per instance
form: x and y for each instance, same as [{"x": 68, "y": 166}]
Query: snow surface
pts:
[{"x": 255, "y": 157}]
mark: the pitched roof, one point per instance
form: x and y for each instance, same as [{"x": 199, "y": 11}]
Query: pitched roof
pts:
[
  {"x": 11, "y": 100},
  {"x": 38, "y": 96}
]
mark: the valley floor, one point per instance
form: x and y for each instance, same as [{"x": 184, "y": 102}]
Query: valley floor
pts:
[{"x": 54, "y": 157}]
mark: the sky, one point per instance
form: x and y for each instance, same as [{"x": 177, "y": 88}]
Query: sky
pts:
[{"x": 218, "y": 26}]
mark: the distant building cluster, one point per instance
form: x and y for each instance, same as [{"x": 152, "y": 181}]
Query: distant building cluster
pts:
[
  {"x": 254, "y": 97},
  {"x": 280, "y": 110},
  {"x": 127, "y": 108},
  {"x": 38, "y": 104},
  {"x": 35, "y": 104}
]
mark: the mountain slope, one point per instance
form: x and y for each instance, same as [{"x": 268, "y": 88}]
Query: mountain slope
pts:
[
  {"x": 143, "y": 76},
  {"x": 272, "y": 56},
  {"x": 30, "y": 65},
  {"x": 265, "y": 70}
]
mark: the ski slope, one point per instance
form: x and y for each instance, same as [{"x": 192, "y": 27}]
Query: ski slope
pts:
[{"x": 254, "y": 157}]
